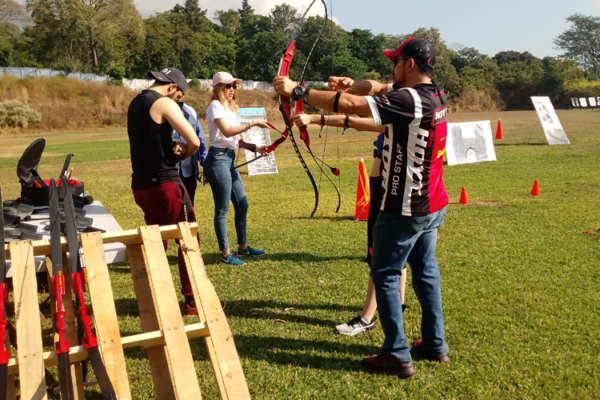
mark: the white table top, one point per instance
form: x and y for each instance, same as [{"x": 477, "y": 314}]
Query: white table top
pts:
[{"x": 115, "y": 252}]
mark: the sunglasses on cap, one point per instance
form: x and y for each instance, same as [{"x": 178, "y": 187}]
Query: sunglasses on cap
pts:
[{"x": 229, "y": 86}]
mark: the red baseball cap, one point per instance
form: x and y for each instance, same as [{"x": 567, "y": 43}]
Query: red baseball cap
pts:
[{"x": 419, "y": 49}]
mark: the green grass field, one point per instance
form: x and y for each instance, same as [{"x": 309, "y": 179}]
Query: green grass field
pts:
[{"x": 519, "y": 281}]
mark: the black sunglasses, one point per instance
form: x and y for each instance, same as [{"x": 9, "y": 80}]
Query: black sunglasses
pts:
[
  {"x": 229, "y": 86},
  {"x": 397, "y": 60}
]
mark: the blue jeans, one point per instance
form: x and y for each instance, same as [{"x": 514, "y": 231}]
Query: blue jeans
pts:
[
  {"x": 398, "y": 239},
  {"x": 227, "y": 186}
]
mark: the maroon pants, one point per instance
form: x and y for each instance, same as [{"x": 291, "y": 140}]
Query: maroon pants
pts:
[{"x": 164, "y": 205}]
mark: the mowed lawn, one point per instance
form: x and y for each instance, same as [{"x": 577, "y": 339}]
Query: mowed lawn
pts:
[{"x": 520, "y": 282}]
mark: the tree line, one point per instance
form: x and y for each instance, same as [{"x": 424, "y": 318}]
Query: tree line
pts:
[{"x": 110, "y": 37}]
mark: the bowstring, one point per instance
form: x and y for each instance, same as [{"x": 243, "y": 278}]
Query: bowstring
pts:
[
  {"x": 337, "y": 134},
  {"x": 327, "y": 127}
]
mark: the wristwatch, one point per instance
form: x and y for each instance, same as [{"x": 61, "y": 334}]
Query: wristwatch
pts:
[{"x": 297, "y": 93}]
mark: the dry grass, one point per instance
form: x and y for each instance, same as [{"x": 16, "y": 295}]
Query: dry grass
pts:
[
  {"x": 477, "y": 101},
  {"x": 69, "y": 104}
]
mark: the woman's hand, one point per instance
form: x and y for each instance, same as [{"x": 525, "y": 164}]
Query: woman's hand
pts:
[
  {"x": 260, "y": 124},
  {"x": 302, "y": 120},
  {"x": 262, "y": 150},
  {"x": 179, "y": 149}
]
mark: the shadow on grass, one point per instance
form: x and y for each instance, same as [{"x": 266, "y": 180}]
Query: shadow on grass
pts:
[
  {"x": 336, "y": 218},
  {"x": 214, "y": 258},
  {"x": 519, "y": 144},
  {"x": 327, "y": 355},
  {"x": 255, "y": 309},
  {"x": 304, "y": 353}
]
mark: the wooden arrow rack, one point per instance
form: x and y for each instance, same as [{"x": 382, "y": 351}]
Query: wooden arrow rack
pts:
[{"x": 164, "y": 336}]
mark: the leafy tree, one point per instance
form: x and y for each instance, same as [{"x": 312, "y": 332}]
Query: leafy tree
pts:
[
  {"x": 334, "y": 40},
  {"x": 13, "y": 12},
  {"x": 76, "y": 32},
  {"x": 470, "y": 57},
  {"x": 343, "y": 65},
  {"x": 581, "y": 42},
  {"x": 570, "y": 70},
  {"x": 505, "y": 57},
  {"x": 283, "y": 19},
  {"x": 252, "y": 23},
  {"x": 446, "y": 77},
  {"x": 367, "y": 47},
  {"x": 229, "y": 23},
  {"x": 442, "y": 52},
  {"x": 193, "y": 16},
  {"x": 159, "y": 52},
  {"x": 258, "y": 58},
  {"x": 517, "y": 82},
  {"x": 552, "y": 82}
]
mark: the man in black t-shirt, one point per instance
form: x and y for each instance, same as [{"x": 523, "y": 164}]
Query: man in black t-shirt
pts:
[{"x": 414, "y": 198}]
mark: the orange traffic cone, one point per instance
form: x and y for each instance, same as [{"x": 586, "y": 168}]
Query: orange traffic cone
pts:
[
  {"x": 464, "y": 199},
  {"x": 535, "y": 191},
  {"x": 500, "y": 131},
  {"x": 363, "y": 193}
]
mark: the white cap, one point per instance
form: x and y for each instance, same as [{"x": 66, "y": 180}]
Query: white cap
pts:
[{"x": 225, "y": 77}]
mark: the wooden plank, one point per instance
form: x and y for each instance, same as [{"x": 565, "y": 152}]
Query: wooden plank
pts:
[
  {"x": 230, "y": 367},
  {"x": 105, "y": 313},
  {"x": 42, "y": 247},
  {"x": 31, "y": 363},
  {"x": 178, "y": 349},
  {"x": 157, "y": 357},
  {"x": 210, "y": 347},
  {"x": 148, "y": 340}
]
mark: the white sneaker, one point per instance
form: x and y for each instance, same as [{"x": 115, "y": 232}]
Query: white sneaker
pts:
[{"x": 355, "y": 326}]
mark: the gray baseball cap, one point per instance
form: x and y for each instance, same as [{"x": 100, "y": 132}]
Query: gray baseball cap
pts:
[{"x": 171, "y": 75}]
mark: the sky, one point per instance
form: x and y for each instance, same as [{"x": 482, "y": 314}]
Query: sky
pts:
[{"x": 488, "y": 26}]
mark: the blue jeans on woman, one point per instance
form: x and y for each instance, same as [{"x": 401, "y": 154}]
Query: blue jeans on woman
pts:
[
  {"x": 398, "y": 239},
  {"x": 227, "y": 186}
]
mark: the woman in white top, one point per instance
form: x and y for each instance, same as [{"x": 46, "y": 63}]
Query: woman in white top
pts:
[{"x": 219, "y": 167}]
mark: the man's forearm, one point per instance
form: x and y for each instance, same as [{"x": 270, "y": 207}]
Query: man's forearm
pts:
[
  {"x": 347, "y": 104},
  {"x": 339, "y": 121},
  {"x": 367, "y": 88}
]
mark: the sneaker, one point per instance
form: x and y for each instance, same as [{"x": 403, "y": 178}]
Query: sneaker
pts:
[
  {"x": 355, "y": 326},
  {"x": 231, "y": 259},
  {"x": 250, "y": 252},
  {"x": 389, "y": 364},
  {"x": 190, "y": 311},
  {"x": 418, "y": 344}
]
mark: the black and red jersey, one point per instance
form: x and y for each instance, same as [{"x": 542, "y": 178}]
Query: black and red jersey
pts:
[{"x": 413, "y": 149}]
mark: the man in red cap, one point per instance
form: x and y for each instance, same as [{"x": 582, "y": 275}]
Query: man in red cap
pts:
[{"x": 413, "y": 109}]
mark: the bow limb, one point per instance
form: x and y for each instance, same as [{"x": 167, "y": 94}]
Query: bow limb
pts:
[
  {"x": 306, "y": 139},
  {"x": 285, "y": 108}
]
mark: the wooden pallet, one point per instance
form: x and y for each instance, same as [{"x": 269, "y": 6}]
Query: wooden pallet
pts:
[{"x": 164, "y": 336}]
